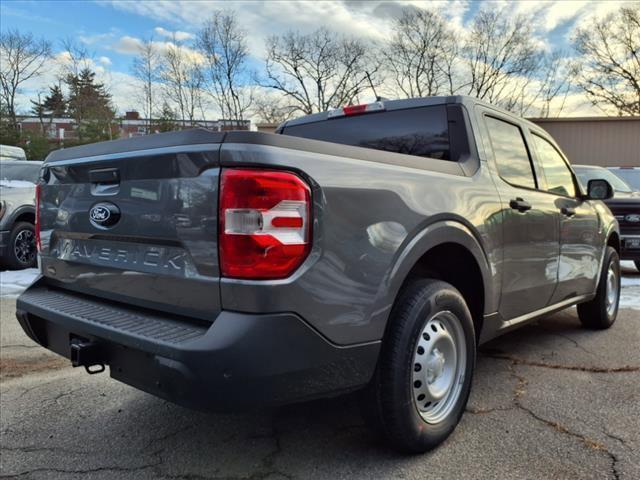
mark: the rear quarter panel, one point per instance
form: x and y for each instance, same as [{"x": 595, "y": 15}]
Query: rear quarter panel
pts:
[{"x": 370, "y": 220}]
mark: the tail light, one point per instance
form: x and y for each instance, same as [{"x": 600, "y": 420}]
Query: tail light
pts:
[
  {"x": 37, "y": 226},
  {"x": 265, "y": 219}
]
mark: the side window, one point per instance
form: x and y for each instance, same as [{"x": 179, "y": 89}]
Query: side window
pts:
[
  {"x": 511, "y": 153},
  {"x": 558, "y": 175}
]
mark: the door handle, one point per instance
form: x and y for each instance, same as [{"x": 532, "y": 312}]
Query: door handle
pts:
[
  {"x": 520, "y": 204},
  {"x": 568, "y": 211},
  {"x": 104, "y": 176}
]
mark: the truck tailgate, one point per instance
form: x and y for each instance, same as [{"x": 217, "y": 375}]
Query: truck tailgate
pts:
[{"x": 138, "y": 225}]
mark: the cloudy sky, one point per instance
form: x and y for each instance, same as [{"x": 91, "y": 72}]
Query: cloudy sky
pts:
[{"x": 112, "y": 29}]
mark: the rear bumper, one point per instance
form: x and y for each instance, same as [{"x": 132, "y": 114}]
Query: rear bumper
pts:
[
  {"x": 241, "y": 361},
  {"x": 627, "y": 253}
]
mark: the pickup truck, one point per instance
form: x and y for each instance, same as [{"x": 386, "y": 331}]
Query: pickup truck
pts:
[
  {"x": 17, "y": 213},
  {"x": 370, "y": 248},
  {"x": 625, "y": 207}
]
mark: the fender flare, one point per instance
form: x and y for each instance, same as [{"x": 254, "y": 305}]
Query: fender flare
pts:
[
  {"x": 433, "y": 235},
  {"x": 11, "y": 220}
]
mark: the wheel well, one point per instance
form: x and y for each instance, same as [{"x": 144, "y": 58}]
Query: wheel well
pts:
[
  {"x": 454, "y": 264},
  {"x": 26, "y": 217},
  {"x": 614, "y": 241}
]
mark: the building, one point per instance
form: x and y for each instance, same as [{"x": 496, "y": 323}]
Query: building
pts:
[
  {"x": 267, "y": 127},
  {"x": 604, "y": 141},
  {"x": 131, "y": 125}
]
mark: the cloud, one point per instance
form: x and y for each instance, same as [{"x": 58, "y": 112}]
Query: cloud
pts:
[
  {"x": 127, "y": 45},
  {"x": 96, "y": 38},
  {"x": 177, "y": 35},
  {"x": 552, "y": 22}
]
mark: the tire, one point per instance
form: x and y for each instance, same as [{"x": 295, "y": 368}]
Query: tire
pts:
[
  {"x": 429, "y": 324},
  {"x": 21, "y": 250},
  {"x": 637, "y": 264},
  {"x": 601, "y": 312}
]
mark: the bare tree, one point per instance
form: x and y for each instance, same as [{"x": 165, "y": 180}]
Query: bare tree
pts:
[
  {"x": 610, "y": 60},
  {"x": 76, "y": 57},
  {"x": 182, "y": 79},
  {"x": 320, "y": 70},
  {"x": 224, "y": 47},
  {"x": 556, "y": 82},
  {"x": 421, "y": 54},
  {"x": 499, "y": 49},
  {"x": 22, "y": 58},
  {"x": 535, "y": 94},
  {"x": 146, "y": 68},
  {"x": 273, "y": 109}
]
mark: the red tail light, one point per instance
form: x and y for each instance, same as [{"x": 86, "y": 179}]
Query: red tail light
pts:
[
  {"x": 38, "y": 193},
  {"x": 265, "y": 219}
]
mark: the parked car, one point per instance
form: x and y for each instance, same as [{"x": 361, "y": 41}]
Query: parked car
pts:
[
  {"x": 8, "y": 152},
  {"x": 630, "y": 175},
  {"x": 17, "y": 213},
  {"x": 625, "y": 206},
  {"x": 370, "y": 248}
]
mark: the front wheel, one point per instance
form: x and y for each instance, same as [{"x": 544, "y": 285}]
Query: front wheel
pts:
[
  {"x": 601, "y": 312},
  {"x": 425, "y": 369}
]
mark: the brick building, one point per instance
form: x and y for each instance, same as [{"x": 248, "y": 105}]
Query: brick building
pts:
[{"x": 130, "y": 125}]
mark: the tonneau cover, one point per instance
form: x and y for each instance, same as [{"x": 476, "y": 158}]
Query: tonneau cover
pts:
[{"x": 147, "y": 142}]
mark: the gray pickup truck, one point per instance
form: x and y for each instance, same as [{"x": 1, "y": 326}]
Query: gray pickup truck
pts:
[{"x": 369, "y": 248}]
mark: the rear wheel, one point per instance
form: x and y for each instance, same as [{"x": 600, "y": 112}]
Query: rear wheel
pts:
[
  {"x": 21, "y": 250},
  {"x": 425, "y": 368},
  {"x": 601, "y": 312}
]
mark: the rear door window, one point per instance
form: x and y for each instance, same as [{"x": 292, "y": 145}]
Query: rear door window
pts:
[
  {"x": 556, "y": 172},
  {"x": 420, "y": 132},
  {"x": 511, "y": 154}
]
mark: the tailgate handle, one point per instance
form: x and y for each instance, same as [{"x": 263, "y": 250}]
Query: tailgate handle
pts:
[{"x": 104, "y": 175}]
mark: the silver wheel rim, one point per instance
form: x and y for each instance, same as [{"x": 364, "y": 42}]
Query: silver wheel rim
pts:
[
  {"x": 24, "y": 246},
  {"x": 439, "y": 363},
  {"x": 612, "y": 289}
]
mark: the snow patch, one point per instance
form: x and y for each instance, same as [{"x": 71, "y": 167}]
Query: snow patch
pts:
[{"x": 13, "y": 282}]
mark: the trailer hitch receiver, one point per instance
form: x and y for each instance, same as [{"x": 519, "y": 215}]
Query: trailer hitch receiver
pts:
[{"x": 87, "y": 354}]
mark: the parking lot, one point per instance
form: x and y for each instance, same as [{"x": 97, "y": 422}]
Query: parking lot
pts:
[{"x": 551, "y": 400}]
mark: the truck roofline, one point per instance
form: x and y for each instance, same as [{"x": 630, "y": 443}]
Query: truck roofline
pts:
[{"x": 401, "y": 104}]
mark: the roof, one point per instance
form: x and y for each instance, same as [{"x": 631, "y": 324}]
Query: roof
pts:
[
  {"x": 390, "y": 105},
  {"x": 13, "y": 153},
  {"x": 584, "y": 119}
]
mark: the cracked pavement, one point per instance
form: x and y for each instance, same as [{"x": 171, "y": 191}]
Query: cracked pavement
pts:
[{"x": 550, "y": 400}]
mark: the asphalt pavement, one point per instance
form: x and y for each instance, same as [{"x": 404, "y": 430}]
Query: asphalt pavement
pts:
[{"x": 551, "y": 400}]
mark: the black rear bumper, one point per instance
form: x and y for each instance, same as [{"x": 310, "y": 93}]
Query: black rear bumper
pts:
[
  {"x": 240, "y": 361},
  {"x": 627, "y": 252}
]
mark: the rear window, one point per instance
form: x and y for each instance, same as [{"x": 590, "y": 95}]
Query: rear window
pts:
[
  {"x": 25, "y": 172},
  {"x": 421, "y": 132}
]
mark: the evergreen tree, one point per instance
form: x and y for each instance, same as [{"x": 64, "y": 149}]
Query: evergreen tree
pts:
[
  {"x": 9, "y": 135},
  {"x": 167, "y": 120},
  {"x": 54, "y": 103},
  {"x": 89, "y": 104}
]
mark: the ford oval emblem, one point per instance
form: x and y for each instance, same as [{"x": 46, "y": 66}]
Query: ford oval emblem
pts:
[{"x": 104, "y": 214}]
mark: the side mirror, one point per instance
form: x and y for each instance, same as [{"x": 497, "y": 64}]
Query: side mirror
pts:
[{"x": 599, "y": 190}]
